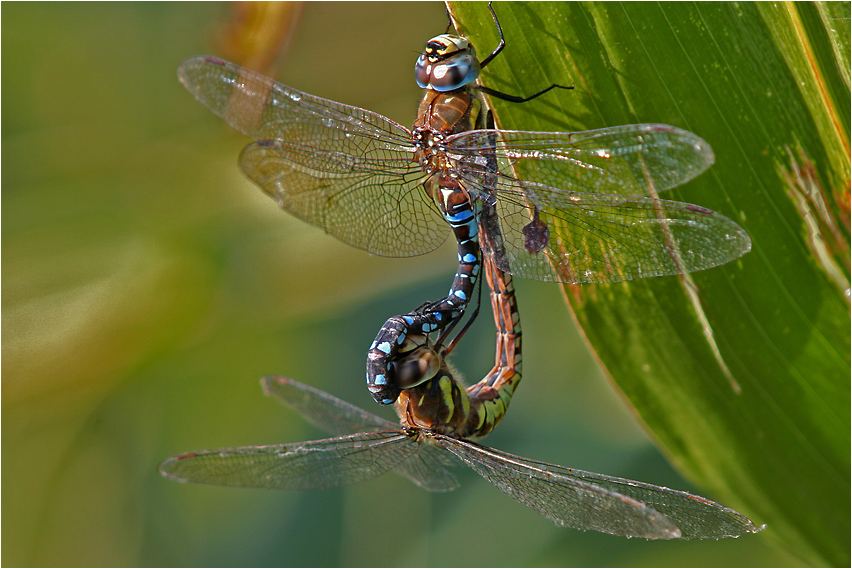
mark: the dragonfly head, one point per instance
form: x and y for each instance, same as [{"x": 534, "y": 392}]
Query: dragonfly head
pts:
[
  {"x": 419, "y": 362},
  {"x": 439, "y": 404},
  {"x": 448, "y": 63}
]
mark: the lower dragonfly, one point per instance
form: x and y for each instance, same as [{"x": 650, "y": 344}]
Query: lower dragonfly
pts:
[{"x": 437, "y": 420}]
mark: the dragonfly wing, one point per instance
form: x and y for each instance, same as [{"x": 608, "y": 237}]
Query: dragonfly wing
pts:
[
  {"x": 696, "y": 517},
  {"x": 323, "y": 410},
  {"x": 373, "y": 202},
  {"x": 326, "y": 463},
  {"x": 556, "y": 235},
  {"x": 629, "y": 160},
  {"x": 428, "y": 467},
  {"x": 590, "y": 501},
  {"x": 258, "y": 106},
  {"x": 343, "y": 168},
  {"x": 566, "y": 501}
]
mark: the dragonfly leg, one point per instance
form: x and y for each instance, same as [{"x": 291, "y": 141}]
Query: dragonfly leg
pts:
[
  {"x": 497, "y": 50},
  {"x": 519, "y": 99},
  {"x": 500, "y": 45}
]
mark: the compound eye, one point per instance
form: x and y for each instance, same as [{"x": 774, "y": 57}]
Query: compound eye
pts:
[
  {"x": 422, "y": 70},
  {"x": 451, "y": 74},
  {"x": 448, "y": 63},
  {"x": 418, "y": 367}
]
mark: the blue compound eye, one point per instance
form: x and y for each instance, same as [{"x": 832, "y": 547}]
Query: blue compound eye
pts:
[
  {"x": 448, "y": 63},
  {"x": 422, "y": 69},
  {"x": 455, "y": 72}
]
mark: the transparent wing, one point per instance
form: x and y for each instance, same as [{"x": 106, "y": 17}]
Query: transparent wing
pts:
[
  {"x": 590, "y": 501},
  {"x": 370, "y": 203},
  {"x": 579, "y": 237},
  {"x": 428, "y": 467},
  {"x": 594, "y": 225},
  {"x": 258, "y": 106},
  {"x": 323, "y": 410},
  {"x": 343, "y": 168},
  {"x": 617, "y": 160},
  {"x": 326, "y": 463}
]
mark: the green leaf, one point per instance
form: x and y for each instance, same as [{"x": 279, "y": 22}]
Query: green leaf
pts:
[{"x": 740, "y": 372}]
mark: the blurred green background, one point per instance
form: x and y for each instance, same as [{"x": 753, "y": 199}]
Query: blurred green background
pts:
[{"x": 148, "y": 286}]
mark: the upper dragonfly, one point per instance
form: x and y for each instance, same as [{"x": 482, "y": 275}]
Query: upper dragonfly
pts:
[{"x": 583, "y": 212}]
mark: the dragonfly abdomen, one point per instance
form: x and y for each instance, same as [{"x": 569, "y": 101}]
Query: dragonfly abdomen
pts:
[
  {"x": 461, "y": 214},
  {"x": 490, "y": 397}
]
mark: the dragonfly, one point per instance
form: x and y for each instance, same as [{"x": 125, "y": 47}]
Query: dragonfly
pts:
[
  {"x": 438, "y": 422},
  {"x": 578, "y": 207}
]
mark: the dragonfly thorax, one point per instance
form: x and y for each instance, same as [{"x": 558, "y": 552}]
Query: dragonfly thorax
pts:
[
  {"x": 434, "y": 400},
  {"x": 448, "y": 113},
  {"x": 448, "y": 63}
]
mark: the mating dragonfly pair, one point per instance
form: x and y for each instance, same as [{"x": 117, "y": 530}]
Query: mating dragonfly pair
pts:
[{"x": 586, "y": 211}]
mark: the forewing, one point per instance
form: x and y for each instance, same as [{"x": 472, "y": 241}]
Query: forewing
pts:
[
  {"x": 428, "y": 467},
  {"x": 258, "y": 106},
  {"x": 618, "y": 160},
  {"x": 565, "y": 500},
  {"x": 343, "y": 168},
  {"x": 580, "y": 212},
  {"x": 326, "y": 463}
]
